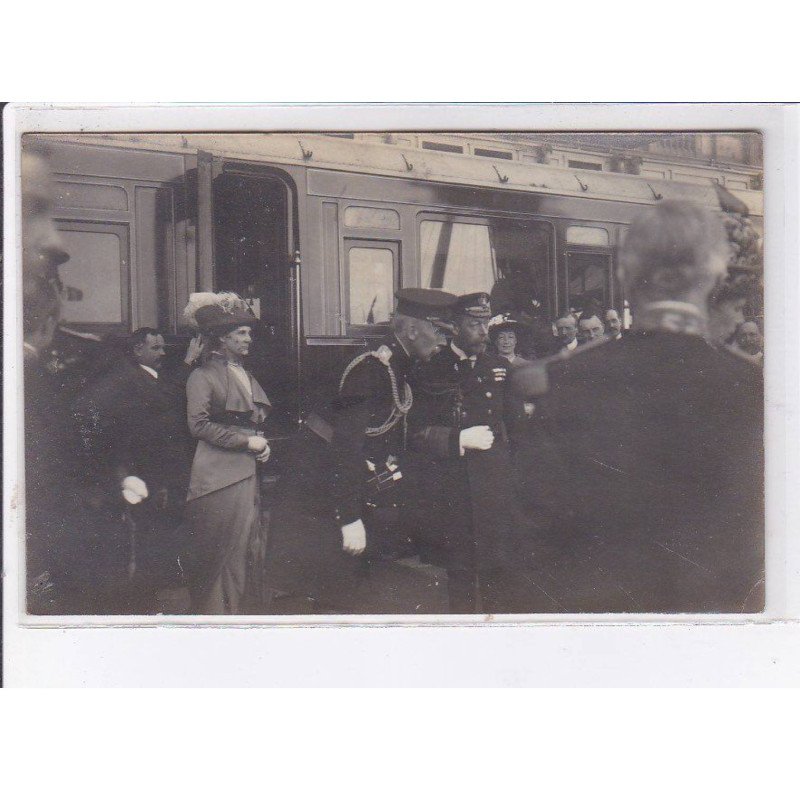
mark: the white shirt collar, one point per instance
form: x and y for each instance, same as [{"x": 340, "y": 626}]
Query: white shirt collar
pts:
[
  {"x": 572, "y": 345},
  {"x": 150, "y": 370}
]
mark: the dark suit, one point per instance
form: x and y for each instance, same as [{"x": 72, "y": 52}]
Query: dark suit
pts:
[
  {"x": 647, "y": 455},
  {"x": 134, "y": 424},
  {"x": 74, "y": 554},
  {"x": 469, "y": 522}
]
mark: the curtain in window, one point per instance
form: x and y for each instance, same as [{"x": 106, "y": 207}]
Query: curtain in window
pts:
[
  {"x": 371, "y": 285},
  {"x": 456, "y": 257}
]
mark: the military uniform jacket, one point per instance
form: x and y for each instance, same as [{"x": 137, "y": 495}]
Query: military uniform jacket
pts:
[
  {"x": 365, "y": 400},
  {"x": 454, "y": 393},
  {"x": 469, "y": 497}
]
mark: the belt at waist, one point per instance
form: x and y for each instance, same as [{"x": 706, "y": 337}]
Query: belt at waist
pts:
[{"x": 249, "y": 430}]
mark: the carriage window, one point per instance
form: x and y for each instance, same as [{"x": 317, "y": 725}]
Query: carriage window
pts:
[
  {"x": 522, "y": 253},
  {"x": 363, "y": 217},
  {"x": 588, "y": 280},
  {"x": 508, "y": 258},
  {"x": 584, "y": 165},
  {"x": 371, "y": 272},
  {"x": 456, "y": 256},
  {"x": 582, "y": 234},
  {"x": 442, "y": 147},
  {"x": 482, "y": 151},
  {"x": 98, "y": 270}
]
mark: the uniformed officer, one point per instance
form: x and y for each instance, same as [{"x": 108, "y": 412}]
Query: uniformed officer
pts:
[
  {"x": 348, "y": 464},
  {"x": 370, "y": 411},
  {"x": 470, "y": 526}
]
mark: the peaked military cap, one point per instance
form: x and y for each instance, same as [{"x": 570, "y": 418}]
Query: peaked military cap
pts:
[
  {"x": 433, "y": 305},
  {"x": 475, "y": 304}
]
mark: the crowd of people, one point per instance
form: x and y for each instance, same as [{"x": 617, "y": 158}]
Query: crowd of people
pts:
[{"x": 622, "y": 470}]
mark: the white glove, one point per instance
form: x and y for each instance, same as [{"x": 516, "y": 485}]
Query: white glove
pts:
[
  {"x": 478, "y": 437},
  {"x": 257, "y": 444},
  {"x": 354, "y": 537},
  {"x": 134, "y": 490}
]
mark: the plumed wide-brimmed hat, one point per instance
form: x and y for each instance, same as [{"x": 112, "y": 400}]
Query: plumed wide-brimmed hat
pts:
[
  {"x": 218, "y": 313},
  {"x": 504, "y": 322}
]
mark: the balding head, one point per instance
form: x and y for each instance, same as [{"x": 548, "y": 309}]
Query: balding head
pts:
[{"x": 673, "y": 251}]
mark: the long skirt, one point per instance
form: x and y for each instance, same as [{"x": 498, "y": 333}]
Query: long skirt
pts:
[{"x": 225, "y": 548}]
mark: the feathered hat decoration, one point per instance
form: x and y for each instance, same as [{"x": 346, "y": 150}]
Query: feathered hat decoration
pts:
[{"x": 214, "y": 310}]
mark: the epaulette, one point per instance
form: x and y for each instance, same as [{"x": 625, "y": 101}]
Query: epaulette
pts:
[{"x": 401, "y": 405}]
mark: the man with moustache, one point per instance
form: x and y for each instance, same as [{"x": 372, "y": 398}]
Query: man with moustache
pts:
[
  {"x": 344, "y": 480},
  {"x": 613, "y": 324},
  {"x": 133, "y": 425},
  {"x": 470, "y": 525}
]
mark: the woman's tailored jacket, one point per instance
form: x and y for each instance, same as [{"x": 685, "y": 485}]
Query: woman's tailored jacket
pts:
[{"x": 222, "y": 417}]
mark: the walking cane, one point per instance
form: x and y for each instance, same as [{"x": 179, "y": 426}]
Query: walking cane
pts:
[{"x": 131, "y": 525}]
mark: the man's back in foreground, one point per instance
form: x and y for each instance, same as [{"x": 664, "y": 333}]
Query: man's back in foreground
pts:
[{"x": 648, "y": 452}]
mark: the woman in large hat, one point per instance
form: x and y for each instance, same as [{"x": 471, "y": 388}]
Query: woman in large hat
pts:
[
  {"x": 226, "y": 409},
  {"x": 504, "y": 334}
]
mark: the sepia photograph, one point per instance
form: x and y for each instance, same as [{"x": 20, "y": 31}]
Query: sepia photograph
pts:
[{"x": 447, "y": 373}]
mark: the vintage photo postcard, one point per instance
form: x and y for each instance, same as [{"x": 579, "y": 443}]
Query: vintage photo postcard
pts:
[{"x": 388, "y": 374}]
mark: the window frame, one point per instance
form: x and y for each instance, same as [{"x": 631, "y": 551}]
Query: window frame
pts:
[
  {"x": 552, "y": 289},
  {"x": 374, "y": 243},
  {"x": 614, "y": 290},
  {"x": 440, "y": 216},
  {"x": 358, "y": 230},
  {"x": 127, "y": 289}
]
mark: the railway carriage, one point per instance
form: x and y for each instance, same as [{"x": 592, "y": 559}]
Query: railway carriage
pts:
[{"x": 318, "y": 230}]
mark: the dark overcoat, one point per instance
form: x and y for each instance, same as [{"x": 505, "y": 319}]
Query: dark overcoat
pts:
[
  {"x": 647, "y": 455},
  {"x": 134, "y": 424},
  {"x": 76, "y": 551},
  {"x": 470, "y": 523}
]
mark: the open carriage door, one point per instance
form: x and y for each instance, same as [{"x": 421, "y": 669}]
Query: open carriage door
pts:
[{"x": 245, "y": 244}]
